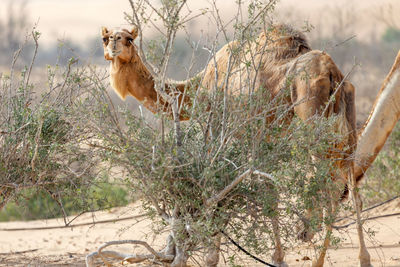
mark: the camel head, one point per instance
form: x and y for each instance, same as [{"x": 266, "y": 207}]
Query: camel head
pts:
[{"x": 119, "y": 44}]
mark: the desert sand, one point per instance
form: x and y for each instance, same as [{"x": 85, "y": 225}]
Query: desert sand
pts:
[{"x": 68, "y": 246}]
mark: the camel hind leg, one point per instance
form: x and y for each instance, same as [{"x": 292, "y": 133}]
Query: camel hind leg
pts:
[
  {"x": 330, "y": 210},
  {"x": 364, "y": 257},
  {"x": 279, "y": 254},
  {"x": 319, "y": 261}
]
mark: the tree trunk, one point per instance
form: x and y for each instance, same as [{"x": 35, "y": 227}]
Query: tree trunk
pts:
[{"x": 181, "y": 257}]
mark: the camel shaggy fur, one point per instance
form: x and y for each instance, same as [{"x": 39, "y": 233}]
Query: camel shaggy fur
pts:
[{"x": 279, "y": 54}]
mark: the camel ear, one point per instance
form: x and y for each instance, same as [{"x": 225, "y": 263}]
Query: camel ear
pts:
[
  {"x": 104, "y": 31},
  {"x": 134, "y": 32}
]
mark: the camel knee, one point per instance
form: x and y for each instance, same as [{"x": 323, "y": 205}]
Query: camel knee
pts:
[{"x": 212, "y": 256}]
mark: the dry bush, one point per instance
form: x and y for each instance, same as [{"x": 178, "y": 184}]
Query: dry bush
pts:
[{"x": 39, "y": 145}]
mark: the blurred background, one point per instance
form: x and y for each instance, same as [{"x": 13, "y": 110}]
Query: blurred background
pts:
[{"x": 366, "y": 33}]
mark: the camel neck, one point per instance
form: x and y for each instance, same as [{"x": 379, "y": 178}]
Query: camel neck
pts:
[
  {"x": 129, "y": 78},
  {"x": 133, "y": 78}
]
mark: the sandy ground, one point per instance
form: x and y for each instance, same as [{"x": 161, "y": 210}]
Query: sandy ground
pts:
[{"x": 68, "y": 246}]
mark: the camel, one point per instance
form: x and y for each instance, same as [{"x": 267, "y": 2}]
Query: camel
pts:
[
  {"x": 280, "y": 52},
  {"x": 382, "y": 119}
]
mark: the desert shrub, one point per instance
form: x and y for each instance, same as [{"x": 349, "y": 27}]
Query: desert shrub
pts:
[
  {"x": 383, "y": 178},
  {"x": 179, "y": 180},
  {"x": 183, "y": 171},
  {"x": 39, "y": 146}
]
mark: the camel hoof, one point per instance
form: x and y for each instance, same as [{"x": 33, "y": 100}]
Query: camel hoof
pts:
[
  {"x": 317, "y": 264},
  {"x": 280, "y": 264}
]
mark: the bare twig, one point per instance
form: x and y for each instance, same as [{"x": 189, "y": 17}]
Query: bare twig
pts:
[
  {"x": 17, "y": 130},
  {"x": 264, "y": 174},
  {"x": 370, "y": 208},
  {"x": 72, "y": 225},
  {"x": 218, "y": 197},
  {"x": 345, "y": 41},
  {"x": 35, "y": 36},
  {"x": 367, "y": 219},
  {"x": 20, "y": 252},
  {"x": 37, "y": 144}
]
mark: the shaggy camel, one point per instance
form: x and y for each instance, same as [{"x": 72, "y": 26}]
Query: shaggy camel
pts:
[{"x": 279, "y": 53}]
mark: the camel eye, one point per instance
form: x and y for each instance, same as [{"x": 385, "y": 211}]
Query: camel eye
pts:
[
  {"x": 105, "y": 40},
  {"x": 119, "y": 38},
  {"x": 129, "y": 40}
]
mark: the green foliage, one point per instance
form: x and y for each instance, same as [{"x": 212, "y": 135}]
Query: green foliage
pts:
[
  {"x": 383, "y": 178},
  {"x": 33, "y": 204},
  {"x": 391, "y": 35}
]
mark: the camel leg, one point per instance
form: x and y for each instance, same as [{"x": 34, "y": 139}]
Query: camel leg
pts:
[
  {"x": 331, "y": 209},
  {"x": 279, "y": 254},
  {"x": 364, "y": 257},
  {"x": 212, "y": 257},
  {"x": 319, "y": 262},
  {"x": 306, "y": 234}
]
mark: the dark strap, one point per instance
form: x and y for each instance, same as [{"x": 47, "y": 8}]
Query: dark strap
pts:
[{"x": 245, "y": 251}]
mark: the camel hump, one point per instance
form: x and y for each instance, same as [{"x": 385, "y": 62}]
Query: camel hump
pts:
[{"x": 286, "y": 42}]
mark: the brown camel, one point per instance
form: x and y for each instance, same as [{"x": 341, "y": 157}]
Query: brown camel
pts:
[{"x": 277, "y": 54}]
